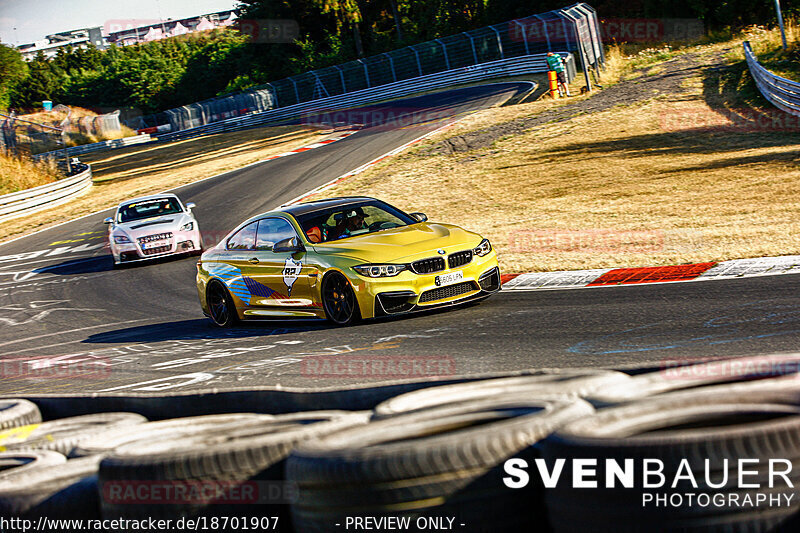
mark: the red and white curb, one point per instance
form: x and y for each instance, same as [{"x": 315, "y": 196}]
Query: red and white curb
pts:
[
  {"x": 576, "y": 279},
  {"x": 338, "y": 137},
  {"x": 365, "y": 166}
]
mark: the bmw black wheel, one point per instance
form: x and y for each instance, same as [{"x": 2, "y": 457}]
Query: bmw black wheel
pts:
[
  {"x": 339, "y": 300},
  {"x": 220, "y": 305}
]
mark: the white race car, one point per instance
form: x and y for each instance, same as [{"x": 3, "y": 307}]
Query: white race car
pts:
[{"x": 153, "y": 226}]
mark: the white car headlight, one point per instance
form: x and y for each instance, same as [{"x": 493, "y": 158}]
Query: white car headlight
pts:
[
  {"x": 188, "y": 227},
  {"x": 379, "y": 271},
  {"x": 483, "y": 248},
  {"x": 121, "y": 239}
]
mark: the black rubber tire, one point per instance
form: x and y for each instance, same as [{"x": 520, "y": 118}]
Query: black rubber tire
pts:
[
  {"x": 18, "y": 412},
  {"x": 62, "y": 491},
  {"x": 339, "y": 300},
  {"x": 254, "y": 451},
  {"x": 672, "y": 430},
  {"x": 438, "y": 462},
  {"x": 568, "y": 382},
  {"x": 15, "y": 463},
  {"x": 676, "y": 378},
  {"x": 221, "y": 308},
  {"x": 173, "y": 428},
  {"x": 63, "y": 434}
]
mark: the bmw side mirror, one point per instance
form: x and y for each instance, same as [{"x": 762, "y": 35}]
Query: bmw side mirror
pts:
[
  {"x": 108, "y": 220},
  {"x": 190, "y": 206},
  {"x": 290, "y": 245},
  {"x": 419, "y": 217}
]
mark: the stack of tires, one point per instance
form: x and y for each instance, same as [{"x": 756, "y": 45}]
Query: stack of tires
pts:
[{"x": 562, "y": 451}]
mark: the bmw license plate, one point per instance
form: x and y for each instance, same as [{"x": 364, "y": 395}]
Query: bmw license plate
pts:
[
  {"x": 154, "y": 244},
  {"x": 449, "y": 279}
]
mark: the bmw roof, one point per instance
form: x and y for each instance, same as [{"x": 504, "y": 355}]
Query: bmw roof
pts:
[{"x": 309, "y": 207}]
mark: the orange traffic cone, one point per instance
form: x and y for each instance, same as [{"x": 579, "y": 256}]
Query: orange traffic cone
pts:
[{"x": 551, "y": 76}]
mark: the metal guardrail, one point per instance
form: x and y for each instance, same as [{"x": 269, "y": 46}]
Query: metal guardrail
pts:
[
  {"x": 29, "y": 201},
  {"x": 574, "y": 29},
  {"x": 782, "y": 93},
  {"x": 95, "y": 147},
  {"x": 516, "y": 66}
]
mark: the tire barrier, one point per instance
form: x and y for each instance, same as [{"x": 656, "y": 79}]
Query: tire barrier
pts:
[
  {"x": 15, "y": 463},
  {"x": 15, "y": 413},
  {"x": 67, "y": 490},
  {"x": 175, "y": 429},
  {"x": 703, "y": 440},
  {"x": 574, "y": 383},
  {"x": 444, "y": 462},
  {"x": 62, "y": 435},
  {"x": 250, "y": 453},
  {"x": 265, "y": 400},
  {"x": 22, "y": 203},
  {"x": 690, "y": 376},
  {"x": 435, "y": 452}
]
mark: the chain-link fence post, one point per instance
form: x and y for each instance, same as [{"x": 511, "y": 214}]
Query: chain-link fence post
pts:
[
  {"x": 444, "y": 51},
  {"x": 474, "y": 50},
  {"x": 419, "y": 63},
  {"x": 391, "y": 66},
  {"x": 499, "y": 42}
]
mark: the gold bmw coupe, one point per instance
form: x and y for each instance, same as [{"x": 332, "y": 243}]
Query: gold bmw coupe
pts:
[{"x": 343, "y": 259}]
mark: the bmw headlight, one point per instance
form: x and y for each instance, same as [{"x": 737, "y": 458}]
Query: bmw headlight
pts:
[
  {"x": 379, "y": 271},
  {"x": 121, "y": 239},
  {"x": 188, "y": 227},
  {"x": 483, "y": 248}
]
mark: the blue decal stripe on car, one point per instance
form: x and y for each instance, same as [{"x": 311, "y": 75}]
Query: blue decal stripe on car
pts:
[{"x": 256, "y": 288}]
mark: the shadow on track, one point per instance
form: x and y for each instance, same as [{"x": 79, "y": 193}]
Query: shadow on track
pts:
[
  {"x": 103, "y": 263},
  {"x": 202, "y": 328}
]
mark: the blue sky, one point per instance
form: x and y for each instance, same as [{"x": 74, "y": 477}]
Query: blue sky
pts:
[{"x": 33, "y": 19}]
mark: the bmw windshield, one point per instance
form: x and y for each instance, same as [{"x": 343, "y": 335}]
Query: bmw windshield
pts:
[{"x": 341, "y": 222}]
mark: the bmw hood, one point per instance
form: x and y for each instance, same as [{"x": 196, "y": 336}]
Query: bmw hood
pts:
[{"x": 404, "y": 244}]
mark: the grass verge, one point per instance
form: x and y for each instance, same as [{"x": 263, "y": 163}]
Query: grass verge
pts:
[
  {"x": 18, "y": 173},
  {"x": 675, "y": 179}
]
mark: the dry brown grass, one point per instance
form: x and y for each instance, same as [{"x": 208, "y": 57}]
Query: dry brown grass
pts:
[
  {"x": 17, "y": 173},
  {"x": 665, "y": 182},
  {"x": 140, "y": 170}
]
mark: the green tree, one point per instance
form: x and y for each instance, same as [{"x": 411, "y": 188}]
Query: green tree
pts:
[
  {"x": 40, "y": 84},
  {"x": 12, "y": 71}
]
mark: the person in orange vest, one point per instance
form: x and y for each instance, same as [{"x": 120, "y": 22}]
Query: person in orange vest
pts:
[{"x": 556, "y": 63}]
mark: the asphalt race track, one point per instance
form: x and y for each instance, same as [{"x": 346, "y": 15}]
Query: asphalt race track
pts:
[{"x": 140, "y": 329}]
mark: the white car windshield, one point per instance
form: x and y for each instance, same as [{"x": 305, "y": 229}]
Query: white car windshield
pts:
[{"x": 149, "y": 208}]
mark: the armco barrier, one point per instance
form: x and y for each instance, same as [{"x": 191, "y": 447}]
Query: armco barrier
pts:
[
  {"x": 782, "y": 93},
  {"x": 45, "y": 196},
  {"x": 95, "y": 147},
  {"x": 516, "y": 66}
]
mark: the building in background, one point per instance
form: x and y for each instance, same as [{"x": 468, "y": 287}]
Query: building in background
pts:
[
  {"x": 75, "y": 38},
  {"x": 126, "y": 32}
]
